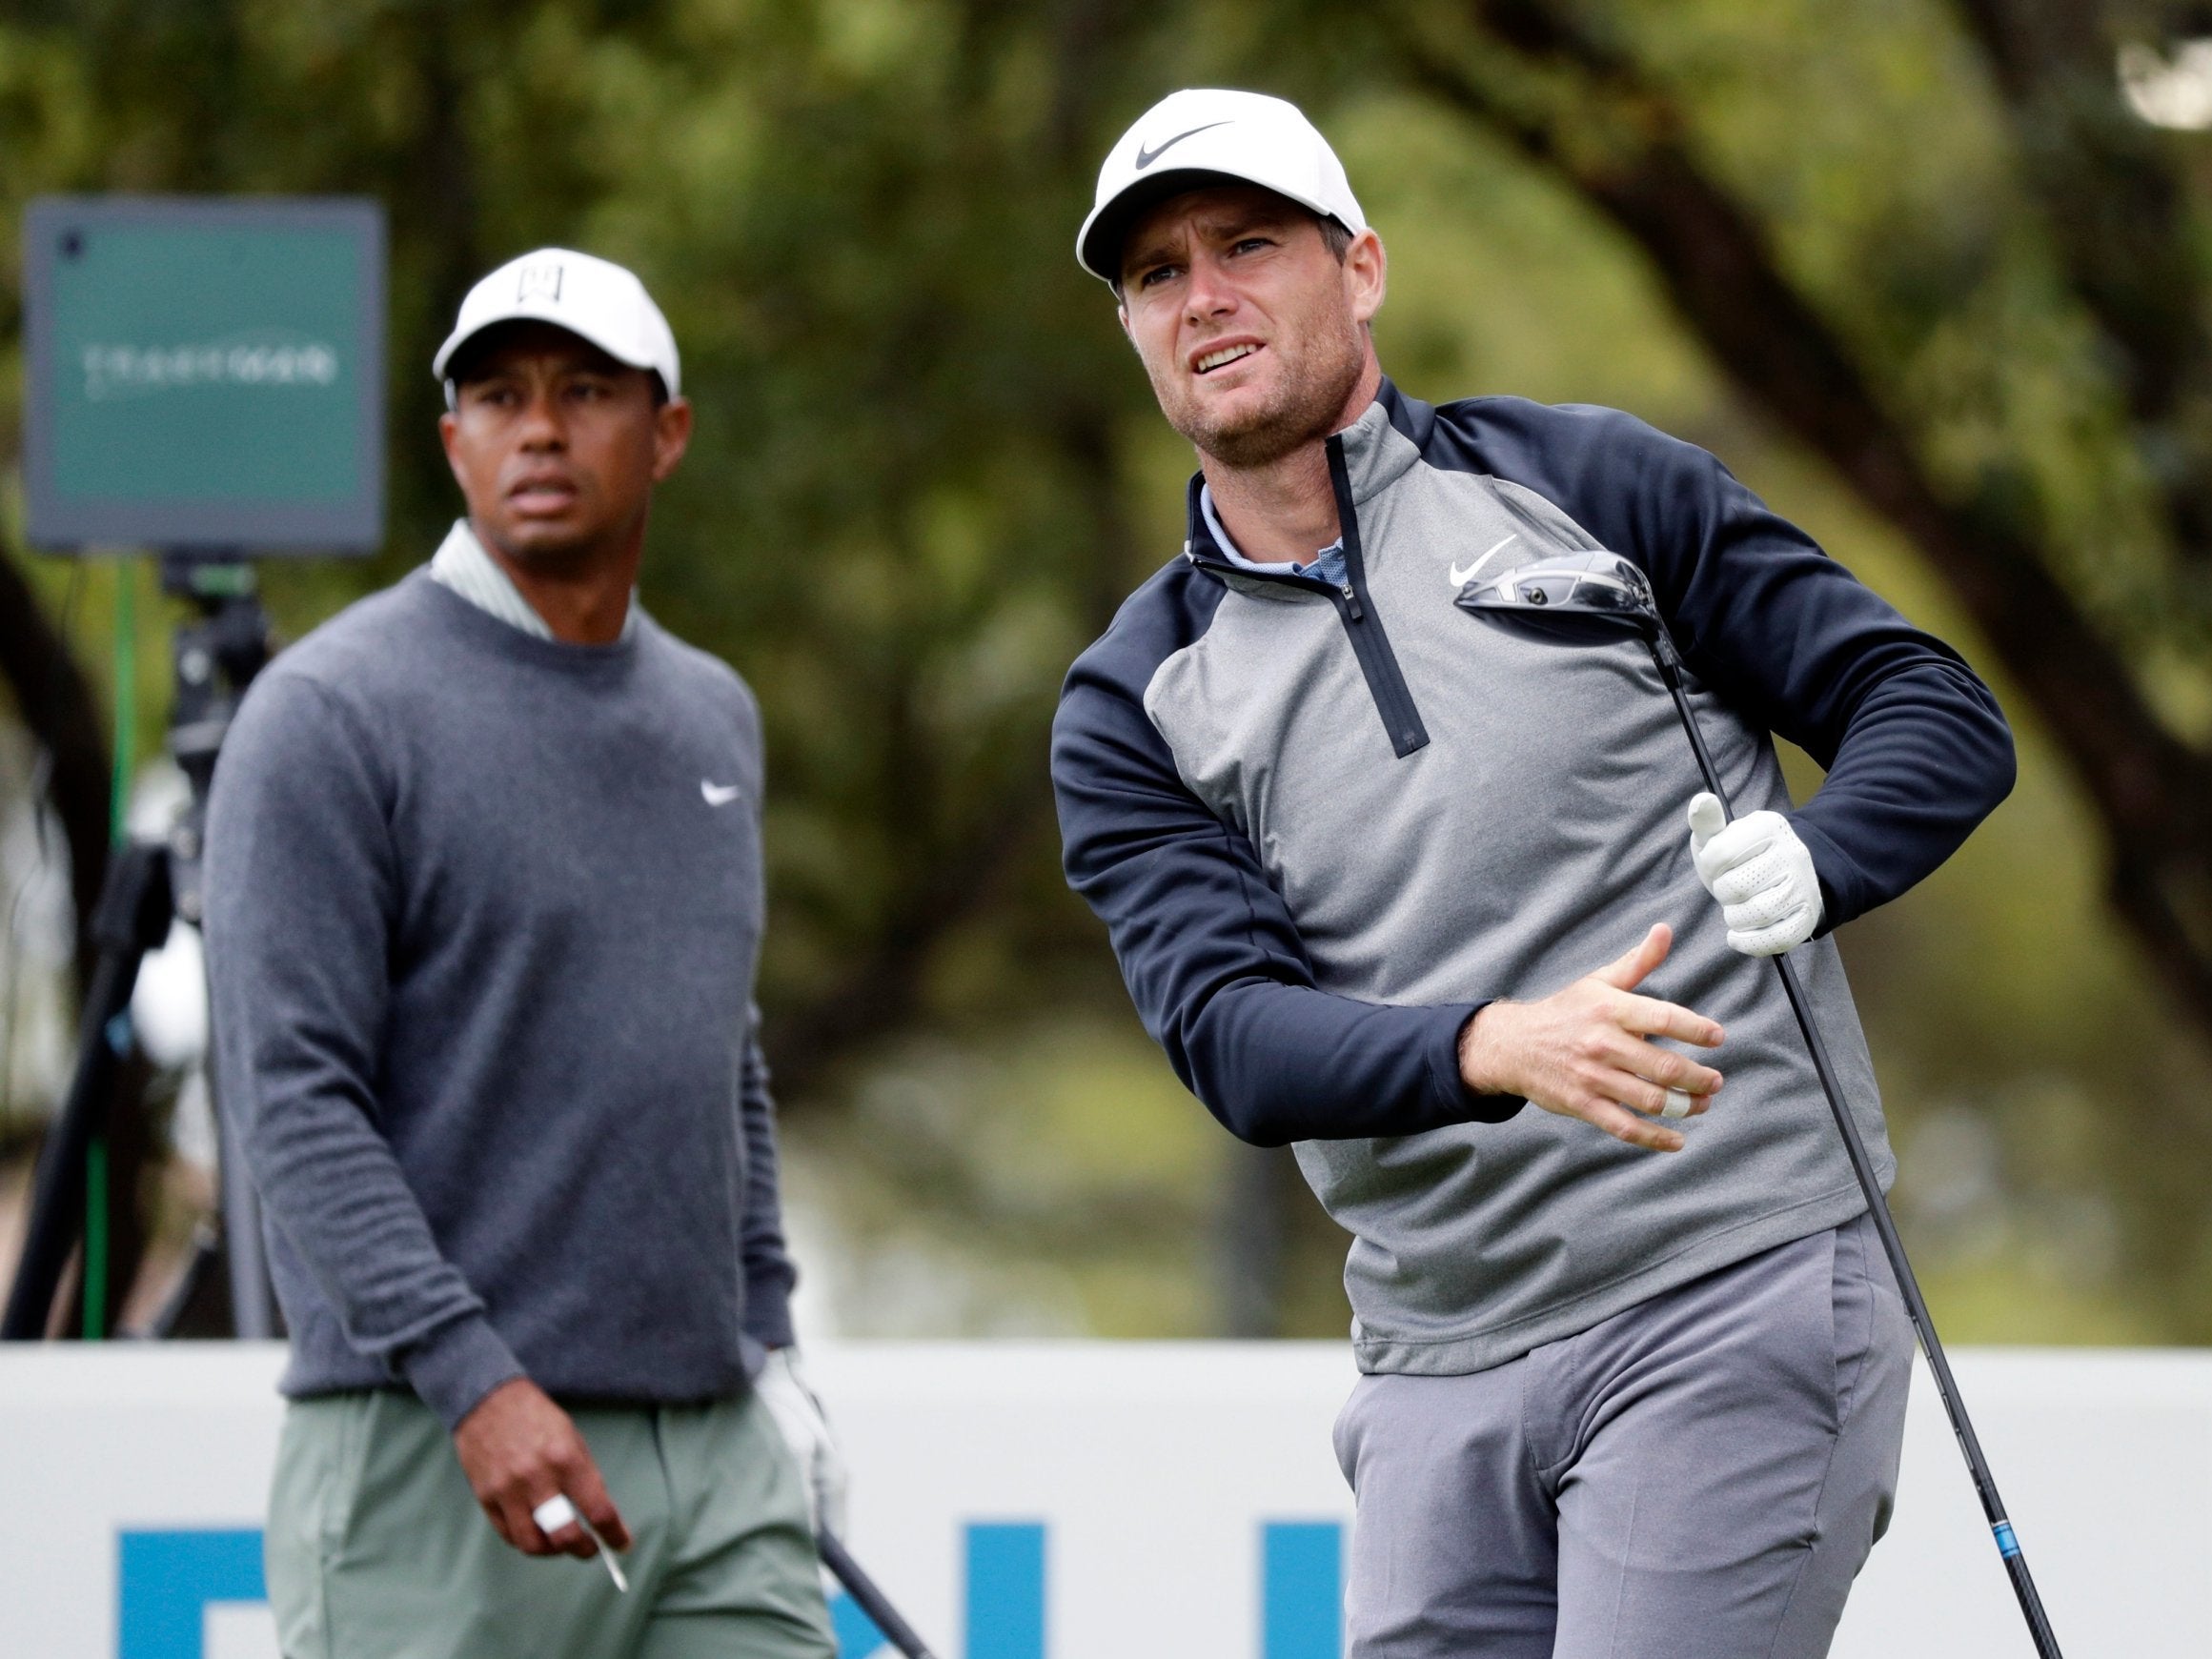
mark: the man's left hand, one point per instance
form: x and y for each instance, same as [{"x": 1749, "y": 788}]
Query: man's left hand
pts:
[
  {"x": 1761, "y": 873},
  {"x": 805, "y": 1429}
]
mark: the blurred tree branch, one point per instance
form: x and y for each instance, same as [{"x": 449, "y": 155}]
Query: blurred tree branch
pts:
[
  {"x": 2117, "y": 213},
  {"x": 1533, "y": 71},
  {"x": 949, "y": 879}
]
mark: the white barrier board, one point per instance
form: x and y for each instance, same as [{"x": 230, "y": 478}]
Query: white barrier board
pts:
[{"x": 1094, "y": 1501}]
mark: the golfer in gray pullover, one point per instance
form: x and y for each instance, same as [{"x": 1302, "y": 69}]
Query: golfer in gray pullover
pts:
[
  {"x": 1417, "y": 895},
  {"x": 484, "y": 899}
]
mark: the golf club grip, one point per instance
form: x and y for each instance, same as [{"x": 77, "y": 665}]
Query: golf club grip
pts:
[{"x": 871, "y": 1600}]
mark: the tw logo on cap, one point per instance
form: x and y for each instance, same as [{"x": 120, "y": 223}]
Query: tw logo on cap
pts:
[{"x": 542, "y": 281}]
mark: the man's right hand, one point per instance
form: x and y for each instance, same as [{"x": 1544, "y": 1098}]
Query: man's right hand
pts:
[
  {"x": 518, "y": 1449},
  {"x": 1583, "y": 1052}
]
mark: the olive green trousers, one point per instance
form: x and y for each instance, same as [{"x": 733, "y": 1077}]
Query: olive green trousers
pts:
[{"x": 376, "y": 1549}]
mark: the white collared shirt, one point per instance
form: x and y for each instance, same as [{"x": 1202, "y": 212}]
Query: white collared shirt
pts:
[
  {"x": 461, "y": 564},
  {"x": 1327, "y": 564}
]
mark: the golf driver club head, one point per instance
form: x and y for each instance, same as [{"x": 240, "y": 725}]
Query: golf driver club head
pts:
[{"x": 1591, "y": 583}]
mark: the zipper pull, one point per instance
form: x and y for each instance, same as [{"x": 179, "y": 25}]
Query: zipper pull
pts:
[{"x": 1352, "y": 599}]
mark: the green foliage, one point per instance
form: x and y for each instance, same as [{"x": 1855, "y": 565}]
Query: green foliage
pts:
[{"x": 928, "y": 468}]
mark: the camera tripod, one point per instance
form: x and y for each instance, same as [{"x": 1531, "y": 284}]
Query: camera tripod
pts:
[{"x": 149, "y": 885}]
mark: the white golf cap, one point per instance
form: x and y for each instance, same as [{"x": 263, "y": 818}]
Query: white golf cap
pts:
[
  {"x": 1204, "y": 132},
  {"x": 589, "y": 296}
]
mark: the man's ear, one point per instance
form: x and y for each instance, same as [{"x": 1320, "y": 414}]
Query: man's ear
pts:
[
  {"x": 449, "y": 426},
  {"x": 1122, "y": 314},
  {"x": 1367, "y": 274},
  {"x": 671, "y": 436}
]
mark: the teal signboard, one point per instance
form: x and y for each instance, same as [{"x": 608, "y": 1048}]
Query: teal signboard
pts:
[{"x": 204, "y": 373}]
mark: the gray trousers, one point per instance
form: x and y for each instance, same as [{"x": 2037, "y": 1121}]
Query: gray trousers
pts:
[{"x": 1700, "y": 1477}]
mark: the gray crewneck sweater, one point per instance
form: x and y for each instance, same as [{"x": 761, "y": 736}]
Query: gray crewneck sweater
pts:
[{"x": 483, "y": 912}]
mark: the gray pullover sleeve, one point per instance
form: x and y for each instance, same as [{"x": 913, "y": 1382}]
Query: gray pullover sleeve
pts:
[
  {"x": 301, "y": 899},
  {"x": 769, "y": 1274}
]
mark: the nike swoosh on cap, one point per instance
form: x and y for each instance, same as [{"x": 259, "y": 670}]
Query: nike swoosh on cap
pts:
[
  {"x": 1461, "y": 578},
  {"x": 717, "y": 794},
  {"x": 1145, "y": 157}
]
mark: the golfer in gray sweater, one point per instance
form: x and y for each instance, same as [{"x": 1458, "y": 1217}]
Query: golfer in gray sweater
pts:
[{"x": 484, "y": 901}]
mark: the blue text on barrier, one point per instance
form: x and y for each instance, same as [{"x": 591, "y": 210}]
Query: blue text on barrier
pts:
[{"x": 165, "y": 1579}]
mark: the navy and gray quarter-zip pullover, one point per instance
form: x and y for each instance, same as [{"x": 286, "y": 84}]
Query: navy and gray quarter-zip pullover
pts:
[{"x": 1324, "y": 822}]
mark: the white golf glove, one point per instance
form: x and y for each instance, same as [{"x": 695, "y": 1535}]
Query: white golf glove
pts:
[
  {"x": 1760, "y": 872},
  {"x": 799, "y": 1417}
]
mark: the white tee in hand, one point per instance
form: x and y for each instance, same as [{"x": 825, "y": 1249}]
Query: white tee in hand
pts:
[
  {"x": 1761, "y": 874},
  {"x": 805, "y": 1429}
]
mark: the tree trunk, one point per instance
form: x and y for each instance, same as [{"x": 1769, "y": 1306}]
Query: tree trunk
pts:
[{"x": 1255, "y": 1210}]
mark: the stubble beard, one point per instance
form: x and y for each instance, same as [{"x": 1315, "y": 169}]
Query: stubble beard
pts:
[
  {"x": 1310, "y": 397},
  {"x": 555, "y": 553}
]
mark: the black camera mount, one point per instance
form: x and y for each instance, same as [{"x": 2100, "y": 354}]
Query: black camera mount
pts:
[{"x": 214, "y": 657}]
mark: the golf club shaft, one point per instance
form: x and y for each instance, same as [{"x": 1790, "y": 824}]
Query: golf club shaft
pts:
[
  {"x": 871, "y": 1600},
  {"x": 2016, "y": 1564}
]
